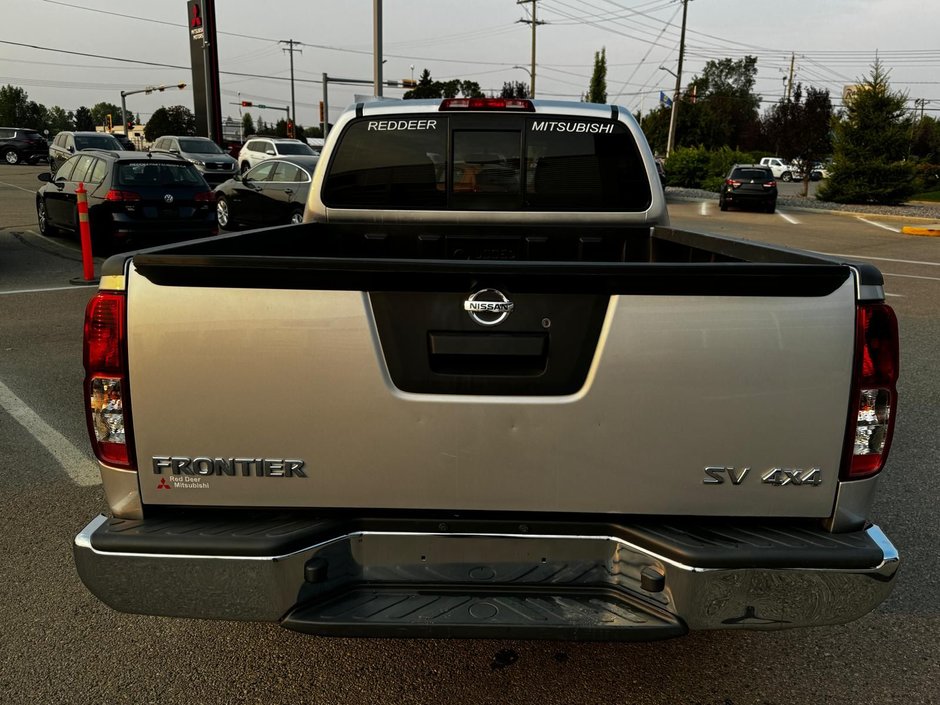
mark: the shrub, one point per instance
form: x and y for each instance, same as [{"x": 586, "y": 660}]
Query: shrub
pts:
[
  {"x": 687, "y": 167},
  {"x": 869, "y": 182}
]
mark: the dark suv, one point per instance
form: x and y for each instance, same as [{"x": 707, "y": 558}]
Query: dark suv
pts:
[
  {"x": 749, "y": 185},
  {"x": 135, "y": 196},
  {"x": 68, "y": 143},
  {"x": 20, "y": 145}
]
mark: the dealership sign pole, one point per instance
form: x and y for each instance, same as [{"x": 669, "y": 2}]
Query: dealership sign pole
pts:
[{"x": 204, "y": 57}]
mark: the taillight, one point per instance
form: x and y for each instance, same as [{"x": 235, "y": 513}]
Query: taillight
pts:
[
  {"x": 873, "y": 404},
  {"x": 205, "y": 197},
  {"x": 121, "y": 196},
  {"x": 487, "y": 104},
  {"x": 770, "y": 184},
  {"x": 732, "y": 183},
  {"x": 106, "y": 399}
]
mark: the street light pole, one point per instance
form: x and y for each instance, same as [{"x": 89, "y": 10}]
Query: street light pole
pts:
[
  {"x": 148, "y": 90},
  {"x": 377, "y": 45},
  {"x": 531, "y": 79}
]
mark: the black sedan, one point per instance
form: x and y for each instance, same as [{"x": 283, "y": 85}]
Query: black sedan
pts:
[
  {"x": 272, "y": 193},
  {"x": 144, "y": 198}
]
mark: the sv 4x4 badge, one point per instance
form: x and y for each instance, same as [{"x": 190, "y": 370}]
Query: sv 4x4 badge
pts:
[{"x": 715, "y": 475}]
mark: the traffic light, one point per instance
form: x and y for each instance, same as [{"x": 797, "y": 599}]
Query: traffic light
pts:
[
  {"x": 129, "y": 127},
  {"x": 246, "y": 103},
  {"x": 290, "y": 128}
]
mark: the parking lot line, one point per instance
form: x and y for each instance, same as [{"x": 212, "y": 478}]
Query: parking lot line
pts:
[
  {"x": 52, "y": 288},
  {"x": 880, "y": 259},
  {"x": 878, "y": 225},
  {"x": 4, "y": 183},
  {"x": 789, "y": 219},
  {"x": 76, "y": 464},
  {"x": 704, "y": 208}
]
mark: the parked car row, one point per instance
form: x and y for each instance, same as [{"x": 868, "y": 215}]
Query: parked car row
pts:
[{"x": 145, "y": 197}]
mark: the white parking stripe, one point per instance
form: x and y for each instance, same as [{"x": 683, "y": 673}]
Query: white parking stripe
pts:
[
  {"x": 4, "y": 183},
  {"x": 704, "y": 208},
  {"x": 788, "y": 218},
  {"x": 880, "y": 259},
  {"x": 76, "y": 464},
  {"x": 911, "y": 276},
  {"x": 54, "y": 288},
  {"x": 878, "y": 225}
]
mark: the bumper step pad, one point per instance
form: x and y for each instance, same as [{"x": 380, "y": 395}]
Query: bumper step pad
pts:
[{"x": 475, "y": 612}]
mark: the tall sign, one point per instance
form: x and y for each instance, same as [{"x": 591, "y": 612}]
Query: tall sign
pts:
[{"x": 204, "y": 57}]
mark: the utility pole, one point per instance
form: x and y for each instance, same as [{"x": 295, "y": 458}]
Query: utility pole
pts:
[
  {"x": 670, "y": 143},
  {"x": 535, "y": 23},
  {"x": 290, "y": 49},
  {"x": 790, "y": 80}
]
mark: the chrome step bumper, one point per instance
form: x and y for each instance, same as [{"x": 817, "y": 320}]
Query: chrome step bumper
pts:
[{"x": 483, "y": 579}]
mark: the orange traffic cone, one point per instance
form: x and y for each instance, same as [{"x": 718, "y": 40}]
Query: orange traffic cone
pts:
[{"x": 84, "y": 229}]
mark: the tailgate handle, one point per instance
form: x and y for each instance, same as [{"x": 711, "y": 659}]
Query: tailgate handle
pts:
[{"x": 512, "y": 354}]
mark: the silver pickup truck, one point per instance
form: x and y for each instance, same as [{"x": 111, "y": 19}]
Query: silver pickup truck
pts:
[{"x": 486, "y": 391}]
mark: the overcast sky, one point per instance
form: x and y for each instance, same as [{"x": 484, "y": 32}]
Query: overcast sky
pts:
[{"x": 834, "y": 42}]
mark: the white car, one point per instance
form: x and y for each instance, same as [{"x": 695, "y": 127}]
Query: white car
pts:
[{"x": 258, "y": 149}]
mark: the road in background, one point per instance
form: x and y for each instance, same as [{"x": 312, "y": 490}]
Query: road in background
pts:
[{"x": 60, "y": 645}]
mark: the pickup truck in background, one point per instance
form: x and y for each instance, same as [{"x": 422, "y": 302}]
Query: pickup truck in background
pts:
[
  {"x": 485, "y": 390},
  {"x": 781, "y": 169}
]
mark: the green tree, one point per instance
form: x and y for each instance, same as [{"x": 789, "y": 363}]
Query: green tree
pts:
[
  {"x": 100, "y": 112},
  {"x": 13, "y": 103},
  {"x": 248, "y": 125},
  {"x": 871, "y": 144},
  {"x": 514, "y": 89},
  {"x": 720, "y": 107},
  {"x": 799, "y": 129},
  {"x": 655, "y": 125},
  {"x": 926, "y": 141},
  {"x": 597, "y": 90},
  {"x": 60, "y": 120},
  {"x": 429, "y": 88},
  {"x": 175, "y": 120},
  {"x": 84, "y": 120},
  {"x": 424, "y": 89}
]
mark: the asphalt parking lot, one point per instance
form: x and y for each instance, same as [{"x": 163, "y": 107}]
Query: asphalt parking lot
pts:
[{"x": 60, "y": 645}]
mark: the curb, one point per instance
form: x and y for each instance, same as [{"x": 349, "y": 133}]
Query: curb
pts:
[{"x": 932, "y": 230}]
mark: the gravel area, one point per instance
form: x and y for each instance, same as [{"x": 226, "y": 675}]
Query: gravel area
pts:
[{"x": 929, "y": 211}]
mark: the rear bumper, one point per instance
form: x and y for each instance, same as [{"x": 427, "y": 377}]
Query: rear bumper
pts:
[{"x": 470, "y": 579}]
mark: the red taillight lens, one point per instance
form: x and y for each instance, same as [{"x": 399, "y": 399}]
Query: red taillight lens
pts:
[
  {"x": 204, "y": 197},
  {"x": 106, "y": 401},
  {"x": 117, "y": 196},
  {"x": 874, "y": 391},
  {"x": 487, "y": 104},
  {"x": 770, "y": 184},
  {"x": 732, "y": 183}
]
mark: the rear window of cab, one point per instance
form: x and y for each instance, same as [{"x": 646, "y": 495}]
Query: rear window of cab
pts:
[{"x": 526, "y": 163}]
